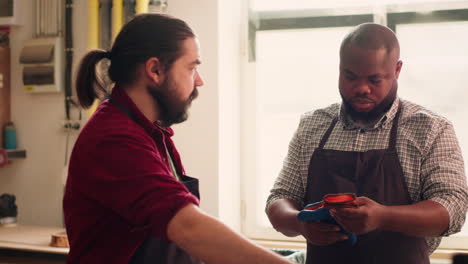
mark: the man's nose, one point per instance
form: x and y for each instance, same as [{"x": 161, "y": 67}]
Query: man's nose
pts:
[
  {"x": 198, "y": 80},
  {"x": 362, "y": 87}
]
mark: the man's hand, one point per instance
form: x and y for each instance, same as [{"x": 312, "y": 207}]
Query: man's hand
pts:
[
  {"x": 367, "y": 217},
  {"x": 322, "y": 234},
  {"x": 198, "y": 234}
]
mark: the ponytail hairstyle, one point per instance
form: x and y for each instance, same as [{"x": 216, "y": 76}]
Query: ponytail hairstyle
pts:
[
  {"x": 145, "y": 36},
  {"x": 88, "y": 85}
]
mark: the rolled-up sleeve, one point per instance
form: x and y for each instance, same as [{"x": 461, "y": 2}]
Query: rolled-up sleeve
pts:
[
  {"x": 443, "y": 177},
  {"x": 289, "y": 183}
]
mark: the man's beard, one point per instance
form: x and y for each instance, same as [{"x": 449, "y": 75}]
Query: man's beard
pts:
[
  {"x": 171, "y": 110},
  {"x": 377, "y": 111}
]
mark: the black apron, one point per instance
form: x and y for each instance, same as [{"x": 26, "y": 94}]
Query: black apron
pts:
[
  {"x": 156, "y": 250},
  {"x": 376, "y": 174}
]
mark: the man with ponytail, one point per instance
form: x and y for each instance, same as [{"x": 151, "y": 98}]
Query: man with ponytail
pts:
[{"x": 127, "y": 198}]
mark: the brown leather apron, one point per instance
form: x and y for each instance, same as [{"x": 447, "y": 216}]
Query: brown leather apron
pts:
[
  {"x": 154, "y": 249},
  {"x": 376, "y": 174}
]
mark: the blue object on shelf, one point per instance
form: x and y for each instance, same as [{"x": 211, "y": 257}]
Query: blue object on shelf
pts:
[
  {"x": 323, "y": 215},
  {"x": 10, "y": 136}
]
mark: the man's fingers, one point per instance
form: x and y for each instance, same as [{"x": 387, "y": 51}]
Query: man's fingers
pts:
[
  {"x": 322, "y": 227},
  {"x": 348, "y": 214},
  {"x": 322, "y": 234},
  {"x": 325, "y": 239},
  {"x": 362, "y": 200},
  {"x": 342, "y": 222}
]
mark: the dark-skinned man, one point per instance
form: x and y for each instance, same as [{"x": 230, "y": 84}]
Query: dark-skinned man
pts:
[{"x": 402, "y": 161}]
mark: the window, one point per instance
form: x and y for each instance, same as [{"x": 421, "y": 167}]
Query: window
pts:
[
  {"x": 293, "y": 67},
  {"x": 438, "y": 66}
]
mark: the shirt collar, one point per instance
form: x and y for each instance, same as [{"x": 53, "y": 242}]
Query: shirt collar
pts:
[
  {"x": 121, "y": 96},
  {"x": 385, "y": 120}
]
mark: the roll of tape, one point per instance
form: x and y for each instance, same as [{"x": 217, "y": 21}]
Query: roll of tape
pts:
[{"x": 59, "y": 240}]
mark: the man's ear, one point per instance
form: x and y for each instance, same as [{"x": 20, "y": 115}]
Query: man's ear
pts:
[
  {"x": 398, "y": 68},
  {"x": 154, "y": 70}
]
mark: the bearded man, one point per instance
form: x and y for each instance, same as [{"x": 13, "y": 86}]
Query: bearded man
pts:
[
  {"x": 127, "y": 197},
  {"x": 401, "y": 160}
]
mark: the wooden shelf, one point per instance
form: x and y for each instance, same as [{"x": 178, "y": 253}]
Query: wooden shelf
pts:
[
  {"x": 16, "y": 153},
  {"x": 30, "y": 238}
]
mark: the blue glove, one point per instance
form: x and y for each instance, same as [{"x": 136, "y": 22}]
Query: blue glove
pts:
[{"x": 323, "y": 215}]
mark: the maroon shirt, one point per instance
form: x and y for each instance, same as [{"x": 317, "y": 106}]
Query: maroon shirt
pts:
[{"x": 120, "y": 189}]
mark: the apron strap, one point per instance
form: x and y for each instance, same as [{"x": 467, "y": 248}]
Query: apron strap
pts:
[
  {"x": 123, "y": 109},
  {"x": 393, "y": 132},
  {"x": 132, "y": 117},
  {"x": 171, "y": 164},
  {"x": 327, "y": 134}
]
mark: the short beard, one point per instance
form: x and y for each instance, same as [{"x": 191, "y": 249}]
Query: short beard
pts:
[
  {"x": 378, "y": 110},
  {"x": 171, "y": 109}
]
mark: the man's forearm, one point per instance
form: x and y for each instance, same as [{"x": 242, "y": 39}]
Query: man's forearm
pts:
[
  {"x": 209, "y": 240},
  {"x": 283, "y": 216},
  {"x": 422, "y": 219}
]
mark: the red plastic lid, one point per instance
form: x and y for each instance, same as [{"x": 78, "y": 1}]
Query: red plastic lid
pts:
[{"x": 339, "y": 198}]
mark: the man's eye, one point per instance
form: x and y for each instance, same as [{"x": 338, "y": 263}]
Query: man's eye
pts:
[
  {"x": 350, "y": 77},
  {"x": 375, "y": 81}
]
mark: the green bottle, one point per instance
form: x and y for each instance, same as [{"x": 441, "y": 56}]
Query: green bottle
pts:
[{"x": 10, "y": 136}]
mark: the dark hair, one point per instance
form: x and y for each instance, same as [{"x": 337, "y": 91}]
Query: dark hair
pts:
[{"x": 145, "y": 36}]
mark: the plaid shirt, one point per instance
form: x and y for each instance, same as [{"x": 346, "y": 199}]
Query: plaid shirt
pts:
[{"x": 426, "y": 145}]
